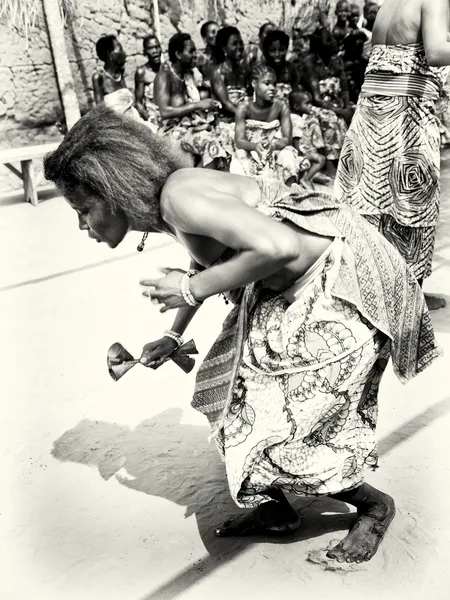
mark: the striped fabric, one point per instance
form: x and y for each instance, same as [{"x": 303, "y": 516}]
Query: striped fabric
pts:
[
  {"x": 389, "y": 168},
  {"x": 406, "y": 84}
]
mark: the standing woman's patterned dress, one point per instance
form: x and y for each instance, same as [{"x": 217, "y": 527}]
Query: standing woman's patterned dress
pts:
[{"x": 390, "y": 162}]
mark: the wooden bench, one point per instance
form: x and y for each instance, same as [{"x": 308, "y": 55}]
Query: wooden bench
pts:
[{"x": 25, "y": 156}]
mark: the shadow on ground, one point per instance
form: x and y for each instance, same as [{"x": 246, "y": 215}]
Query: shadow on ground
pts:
[{"x": 162, "y": 457}]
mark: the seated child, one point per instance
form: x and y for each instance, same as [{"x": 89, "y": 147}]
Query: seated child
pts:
[
  {"x": 307, "y": 136},
  {"x": 263, "y": 133}
]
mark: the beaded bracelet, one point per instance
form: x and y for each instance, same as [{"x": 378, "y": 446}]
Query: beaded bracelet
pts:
[
  {"x": 173, "y": 335},
  {"x": 186, "y": 292}
]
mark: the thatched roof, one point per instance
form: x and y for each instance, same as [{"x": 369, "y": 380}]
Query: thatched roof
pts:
[{"x": 21, "y": 15}]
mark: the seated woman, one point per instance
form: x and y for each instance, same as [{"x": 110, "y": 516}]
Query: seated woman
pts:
[
  {"x": 253, "y": 51},
  {"x": 264, "y": 133},
  {"x": 110, "y": 77},
  {"x": 322, "y": 74},
  {"x": 185, "y": 116},
  {"x": 290, "y": 388},
  {"x": 144, "y": 82},
  {"x": 229, "y": 76},
  {"x": 275, "y": 47},
  {"x": 205, "y": 57}
]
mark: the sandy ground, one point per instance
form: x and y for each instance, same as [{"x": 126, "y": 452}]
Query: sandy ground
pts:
[{"x": 111, "y": 490}]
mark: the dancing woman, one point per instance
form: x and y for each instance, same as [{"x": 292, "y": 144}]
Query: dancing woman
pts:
[
  {"x": 390, "y": 162},
  {"x": 290, "y": 387}
]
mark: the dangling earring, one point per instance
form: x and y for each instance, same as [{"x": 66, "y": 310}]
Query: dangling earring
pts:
[
  {"x": 254, "y": 96},
  {"x": 142, "y": 242}
]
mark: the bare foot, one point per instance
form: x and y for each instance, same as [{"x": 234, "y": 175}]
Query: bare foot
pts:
[
  {"x": 374, "y": 517},
  {"x": 435, "y": 302},
  {"x": 307, "y": 184},
  {"x": 322, "y": 179},
  {"x": 269, "y": 518}
]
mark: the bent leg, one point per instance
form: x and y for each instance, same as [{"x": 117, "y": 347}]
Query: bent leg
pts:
[
  {"x": 276, "y": 517},
  {"x": 375, "y": 513}
]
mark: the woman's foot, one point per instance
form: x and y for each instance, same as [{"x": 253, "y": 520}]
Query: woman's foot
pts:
[
  {"x": 307, "y": 184},
  {"x": 272, "y": 518},
  {"x": 322, "y": 179},
  {"x": 375, "y": 513}
]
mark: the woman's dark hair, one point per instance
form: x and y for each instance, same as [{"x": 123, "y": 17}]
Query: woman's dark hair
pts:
[
  {"x": 148, "y": 39},
  {"x": 275, "y": 36},
  {"x": 263, "y": 28},
  {"x": 176, "y": 44},
  {"x": 204, "y": 28},
  {"x": 223, "y": 35},
  {"x": 104, "y": 46},
  {"x": 261, "y": 69},
  {"x": 119, "y": 161}
]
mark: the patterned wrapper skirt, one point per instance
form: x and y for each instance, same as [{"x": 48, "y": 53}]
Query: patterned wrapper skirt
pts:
[
  {"x": 303, "y": 409},
  {"x": 280, "y": 164},
  {"x": 389, "y": 172}
]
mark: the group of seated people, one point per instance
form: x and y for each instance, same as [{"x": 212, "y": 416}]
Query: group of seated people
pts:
[{"x": 254, "y": 110}]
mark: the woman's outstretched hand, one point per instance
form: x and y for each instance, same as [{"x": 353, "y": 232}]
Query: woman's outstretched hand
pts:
[
  {"x": 154, "y": 354},
  {"x": 165, "y": 291}
]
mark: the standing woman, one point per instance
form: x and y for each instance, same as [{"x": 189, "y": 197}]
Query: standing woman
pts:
[
  {"x": 144, "y": 82},
  {"x": 390, "y": 163}
]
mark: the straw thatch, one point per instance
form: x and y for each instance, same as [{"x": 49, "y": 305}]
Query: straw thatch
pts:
[{"x": 21, "y": 15}]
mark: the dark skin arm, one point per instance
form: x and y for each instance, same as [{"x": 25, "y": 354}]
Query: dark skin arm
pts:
[
  {"x": 139, "y": 87},
  {"x": 219, "y": 89},
  {"x": 97, "y": 86},
  {"x": 240, "y": 130},
  {"x": 162, "y": 91},
  {"x": 286, "y": 128}
]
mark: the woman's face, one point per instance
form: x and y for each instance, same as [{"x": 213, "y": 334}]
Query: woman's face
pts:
[
  {"x": 276, "y": 53},
  {"x": 211, "y": 33},
  {"x": 98, "y": 220},
  {"x": 152, "y": 50},
  {"x": 235, "y": 47},
  {"x": 265, "y": 87},
  {"x": 117, "y": 54},
  {"x": 343, "y": 14},
  {"x": 188, "y": 58}
]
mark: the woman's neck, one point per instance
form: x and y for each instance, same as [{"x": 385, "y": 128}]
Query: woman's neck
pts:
[
  {"x": 231, "y": 64},
  {"x": 114, "y": 70},
  {"x": 153, "y": 66},
  {"x": 261, "y": 104},
  {"x": 179, "y": 69}
]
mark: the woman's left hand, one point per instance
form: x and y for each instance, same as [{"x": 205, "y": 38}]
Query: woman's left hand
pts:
[{"x": 165, "y": 291}]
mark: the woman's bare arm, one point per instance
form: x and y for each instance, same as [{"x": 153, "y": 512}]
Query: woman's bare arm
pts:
[
  {"x": 185, "y": 315},
  {"x": 286, "y": 128},
  {"x": 264, "y": 245},
  {"x": 435, "y": 23},
  {"x": 219, "y": 90},
  {"x": 240, "y": 133},
  {"x": 97, "y": 86},
  {"x": 139, "y": 91},
  {"x": 162, "y": 92}
]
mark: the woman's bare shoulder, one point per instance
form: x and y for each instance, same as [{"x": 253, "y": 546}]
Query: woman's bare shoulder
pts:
[{"x": 207, "y": 183}]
